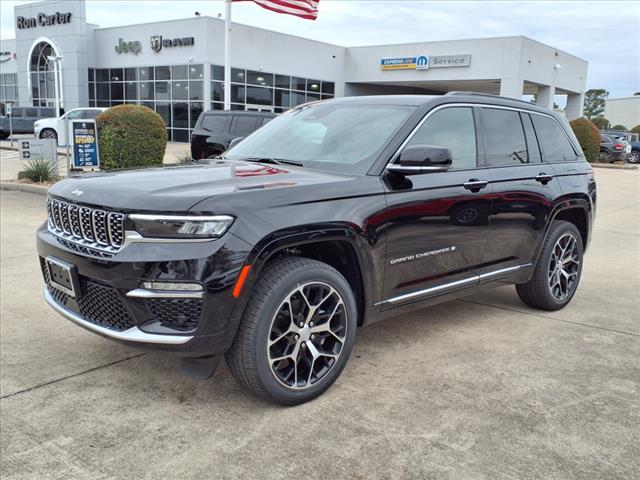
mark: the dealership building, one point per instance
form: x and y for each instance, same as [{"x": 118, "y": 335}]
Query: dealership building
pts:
[{"x": 176, "y": 67}]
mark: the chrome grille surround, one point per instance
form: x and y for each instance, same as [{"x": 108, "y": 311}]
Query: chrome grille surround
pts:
[{"x": 95, "y": 231}]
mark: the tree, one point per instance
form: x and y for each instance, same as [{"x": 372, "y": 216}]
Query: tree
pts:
[
  {"x": 588, "y": 136},
  {"x": 594, "y": 102},
  {"x": 619, "y": 128},
  {"x": 635, "y": 129},
  {"x": 601, "y": 122}
]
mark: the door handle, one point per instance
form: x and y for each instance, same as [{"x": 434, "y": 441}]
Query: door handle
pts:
[
  {"x": 475, "y": 185},
  {"x": 543, "y": 178}
]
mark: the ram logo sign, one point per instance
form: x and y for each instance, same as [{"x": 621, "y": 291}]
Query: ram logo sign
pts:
[{"x": 158, "y": 43}]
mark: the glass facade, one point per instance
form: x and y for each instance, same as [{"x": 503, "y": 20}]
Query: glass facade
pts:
[
  {"x": 177, "y": 92},
  {"x": 254, "y": 90},
  {"x": 42, "y": 76},
  {"x": 8, "y": 88}
]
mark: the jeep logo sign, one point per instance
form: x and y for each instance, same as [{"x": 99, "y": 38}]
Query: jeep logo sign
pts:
[
  {"x": 128, "y": 47},
  {"x": 157, "y": 42}
]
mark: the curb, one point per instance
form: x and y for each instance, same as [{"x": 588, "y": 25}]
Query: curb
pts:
[
  {"x": 626, "y": 166},
  {"x": 24, "y": 187}
]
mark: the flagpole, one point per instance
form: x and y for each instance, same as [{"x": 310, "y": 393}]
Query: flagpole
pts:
[{"x": 227, "y": 55}]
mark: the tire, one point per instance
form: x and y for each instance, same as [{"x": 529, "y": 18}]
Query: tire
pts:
[
  {"x": 4, "y": 135},
  {"x": 552, "y": 288},
  {"x": 49, "y": 133},
  {"x": 634, "y": 156},
  {"x": 262, "y": 334}
]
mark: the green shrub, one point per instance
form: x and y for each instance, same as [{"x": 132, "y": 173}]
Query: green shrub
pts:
[
  {"x": 619, "y": 128},
  {"x": 589, "y": 137},
  {"x": 39, "y": 171},
  {"x": 601, "y": 122},
  {"x": 635, "y": 129},
  {"x": 131, "y": 136}
]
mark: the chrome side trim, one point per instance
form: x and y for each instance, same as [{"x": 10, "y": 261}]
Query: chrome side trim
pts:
[
  {"x": 427, "y": 291},
  {"x": 457, "y": 283},
  {"x": 133, "y": 334},
  {"x": 145, "y": 293},
  {"x": 503, "y": 270}
]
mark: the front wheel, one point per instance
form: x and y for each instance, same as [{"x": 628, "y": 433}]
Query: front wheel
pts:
[
  {"x": 557, "y": 273},
  {"x": 634, "y": 157},
  {"x": 297, "y": 332}
]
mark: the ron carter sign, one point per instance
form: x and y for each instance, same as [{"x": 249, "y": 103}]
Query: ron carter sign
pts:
[{"x": 43, "y": 20}]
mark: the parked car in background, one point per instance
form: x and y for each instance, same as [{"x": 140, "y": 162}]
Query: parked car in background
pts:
[
  {"x": 633, "y": 139},
  {"x": 53, "y": 127},
  {"x": 613, "y": 149},
  {"x": 215, "y": 130},
  {"x": 23, "y": 119}
]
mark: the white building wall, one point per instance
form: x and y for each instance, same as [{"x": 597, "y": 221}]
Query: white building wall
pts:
[{"x": 623, "y": 111}]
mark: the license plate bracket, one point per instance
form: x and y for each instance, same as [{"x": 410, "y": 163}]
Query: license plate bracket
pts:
[{"x": 63, "y": 276}]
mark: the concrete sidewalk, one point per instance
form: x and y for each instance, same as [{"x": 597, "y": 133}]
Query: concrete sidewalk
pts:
[{"x": 480, "y": 388}]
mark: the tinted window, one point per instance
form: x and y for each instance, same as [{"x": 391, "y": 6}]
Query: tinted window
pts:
[
  {"x": 606, "y": 139},
  {"x": 265, "y": 120},
  {"x": 553, "y": 141},
  {"x": 532, "y": 142},
  {"x": 47, "y": 112},
  {"x": 245, "y": 125},
  {"x": 31, "y": 112},
  {"x": 90, "y": 114},
  {"x": 214, "y": 123},
  {"x": 503, "y": 137},
  {"x": 16, "y": 112},
  {"x": 454, "y": 129}
]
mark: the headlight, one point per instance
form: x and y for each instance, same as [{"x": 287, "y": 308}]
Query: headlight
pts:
[{"x": 187, "y": 226}]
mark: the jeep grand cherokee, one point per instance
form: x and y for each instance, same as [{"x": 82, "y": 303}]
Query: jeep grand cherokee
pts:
[{"x": 332, "y": 216}]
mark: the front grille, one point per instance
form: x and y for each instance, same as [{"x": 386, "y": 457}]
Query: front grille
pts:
[
  {"x": 176, "y": 313},
  {"x": 98, "y": 232},
  {"x": 98, "y": 304}
]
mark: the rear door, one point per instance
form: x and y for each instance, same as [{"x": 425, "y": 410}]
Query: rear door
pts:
[
  {"x": 524, "y": 189},
  {"x": 436, "y": 222}
]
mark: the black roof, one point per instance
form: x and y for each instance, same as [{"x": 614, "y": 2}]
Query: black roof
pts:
[{"x": 239, "y": 112}]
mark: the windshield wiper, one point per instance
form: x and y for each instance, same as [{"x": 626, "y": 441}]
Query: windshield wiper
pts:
[{"x": 275, "y": 161}]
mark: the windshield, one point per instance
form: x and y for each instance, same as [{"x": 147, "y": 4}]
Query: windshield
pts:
[{"x": 332, "y": 136}]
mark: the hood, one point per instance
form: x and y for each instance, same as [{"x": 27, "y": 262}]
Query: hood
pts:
[{"x": 177, "y": 189}]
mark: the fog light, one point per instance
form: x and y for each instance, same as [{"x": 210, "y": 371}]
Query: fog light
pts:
[{"x": 173, "y": 286}]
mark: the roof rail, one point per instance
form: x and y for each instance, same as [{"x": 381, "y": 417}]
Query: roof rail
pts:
[{"x": 479, "y": 94}]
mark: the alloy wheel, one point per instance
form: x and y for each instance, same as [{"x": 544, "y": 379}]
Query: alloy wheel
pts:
[
  {"x": 48, "y": 134},
  {"x": 633, "y": 157},
  {"x": 307, "y": 335},
  {"x": 564, "y": 266}
]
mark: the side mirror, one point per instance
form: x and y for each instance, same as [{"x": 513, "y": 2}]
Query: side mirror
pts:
[
  {"x": 418, "y": 159},
  {"x": 234, "y": 142}
]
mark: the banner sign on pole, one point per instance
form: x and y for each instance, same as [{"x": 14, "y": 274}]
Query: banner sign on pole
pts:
[{"x": 85, "y": 144}]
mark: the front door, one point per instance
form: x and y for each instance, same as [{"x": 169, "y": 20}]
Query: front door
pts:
[{"x": 436, "y": 228}]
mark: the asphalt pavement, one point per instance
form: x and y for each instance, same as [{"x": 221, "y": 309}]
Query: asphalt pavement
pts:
[{"x": 479, "y": 388}]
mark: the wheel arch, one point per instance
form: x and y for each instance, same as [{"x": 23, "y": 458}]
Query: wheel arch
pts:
[{"x": 337, "y": 247}]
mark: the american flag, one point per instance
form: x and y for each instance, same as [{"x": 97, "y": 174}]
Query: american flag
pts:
[{"x": 300, "y": 8}]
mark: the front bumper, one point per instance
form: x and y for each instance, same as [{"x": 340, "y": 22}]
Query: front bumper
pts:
[{"x": 111, "y": 303}]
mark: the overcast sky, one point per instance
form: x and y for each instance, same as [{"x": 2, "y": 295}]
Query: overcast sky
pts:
[{"x": 606, "y": 34}]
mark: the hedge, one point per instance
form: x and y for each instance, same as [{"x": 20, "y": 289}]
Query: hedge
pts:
[
  {"x": 635, "y": 129},
  {"x": 131, "y": 136},
  {"x": 589, "y": 137}
]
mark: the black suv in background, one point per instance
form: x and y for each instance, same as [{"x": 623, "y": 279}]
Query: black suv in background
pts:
[
  {"x": 613, "y": 148},
  {"x": 334, "y": 215},
  {"x": 215, "y": 130}
]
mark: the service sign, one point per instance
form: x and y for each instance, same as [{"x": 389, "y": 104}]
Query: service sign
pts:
[
  {"x": 405, "y": 63},
  {"x": 85, "y": 144}
]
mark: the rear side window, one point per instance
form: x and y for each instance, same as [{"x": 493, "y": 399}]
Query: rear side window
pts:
[
  {"x": 16, "y": 112},
  {"x": 504, "y": 139},
  {"x": 532, "y": 142},
  {"x": 31, "y": 112},
  {"x": 90, "y": 114},
  {"x": 553, "y": 141},
  {"x": 606, "y": 139},
  {"x": 265, "y": 120},
  {"x": 245, "y": 125},
  {"x": 454, "y": 129},
  {"x": 214, "y": 123},
  {"x": 47, "y": 112}
]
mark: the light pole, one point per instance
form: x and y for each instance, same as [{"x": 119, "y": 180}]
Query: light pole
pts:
[{"x": 57, "y": 77}]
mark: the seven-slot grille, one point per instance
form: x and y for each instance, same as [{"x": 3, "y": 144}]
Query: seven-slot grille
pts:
[{"x": 90, "y": 227}]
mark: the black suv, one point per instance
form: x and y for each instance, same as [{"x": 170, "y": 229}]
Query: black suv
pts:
[
  {"x": 215, "y": 130},
  {"x": 334, "y": 215}
]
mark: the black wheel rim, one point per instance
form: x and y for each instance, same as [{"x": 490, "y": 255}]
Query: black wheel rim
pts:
[
  {"x": 48, "y": 134},
  {"x": 307, "y": 335},
  {"x": 564, "y": 266}
]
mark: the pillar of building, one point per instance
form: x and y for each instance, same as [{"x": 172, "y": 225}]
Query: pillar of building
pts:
[
  {"x": 545, "y": 96},
  {"x": 511, "y": 87},
  {"x": 575, "y": 103}
]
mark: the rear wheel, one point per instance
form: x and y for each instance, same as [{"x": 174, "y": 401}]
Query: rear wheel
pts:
[
  {"x": 296, "y": 333},
  {"x": 557, "y": 273},
  {"x": 4, "y": 135},
  {"x": 49, "y": 133}
]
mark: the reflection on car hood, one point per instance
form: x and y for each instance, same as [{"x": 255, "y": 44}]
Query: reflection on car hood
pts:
[{"x": 177, "y": 189}]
